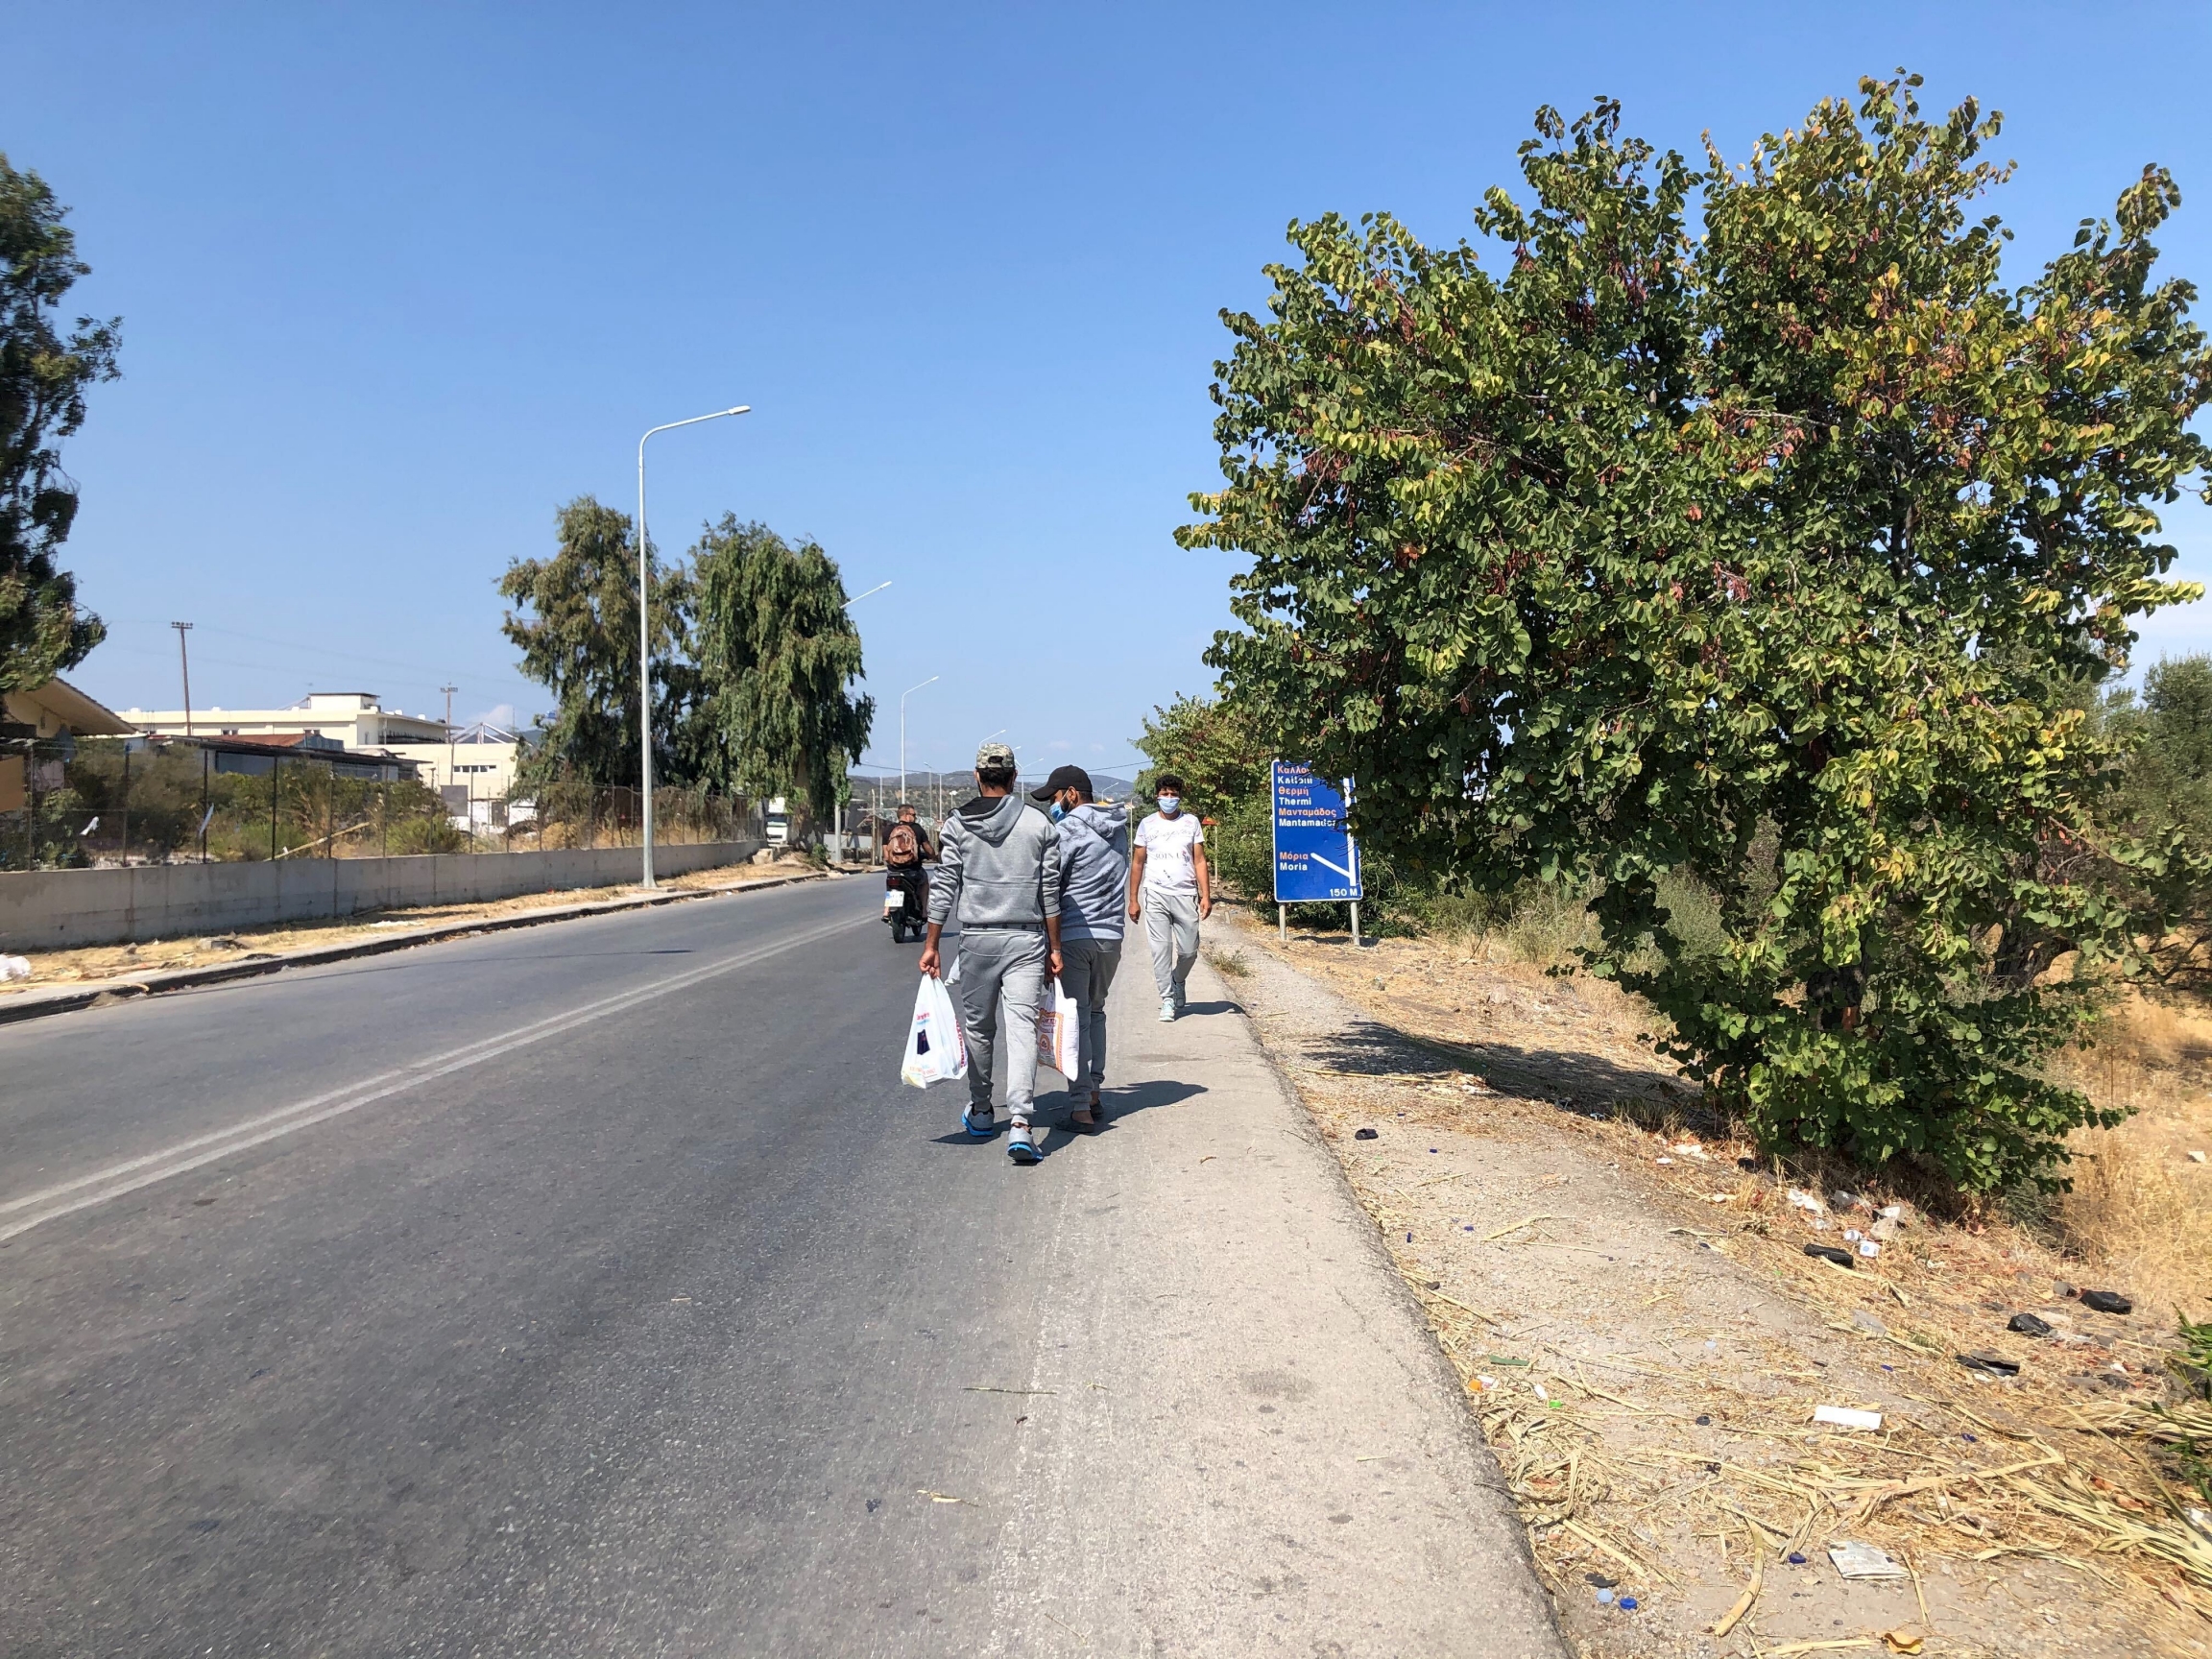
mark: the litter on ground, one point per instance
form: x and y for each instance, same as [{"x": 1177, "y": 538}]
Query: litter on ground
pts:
[
  {"x": 1846, "y": 1417},
  {"x": 1856, "y": 1560}
]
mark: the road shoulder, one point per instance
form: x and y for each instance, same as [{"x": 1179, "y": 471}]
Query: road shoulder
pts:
[
  {"x": 1646, "y": 1358},
  {"x": 1240, "y": 1439}
]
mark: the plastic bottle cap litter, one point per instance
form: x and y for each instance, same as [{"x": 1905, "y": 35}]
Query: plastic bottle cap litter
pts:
[{"x": 1846, "y": 1417}]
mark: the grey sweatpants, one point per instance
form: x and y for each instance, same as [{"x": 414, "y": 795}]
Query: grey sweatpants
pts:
[
  {"x": 1087, "y": 968},
  {"x": 1002, "y": 965},
  {"x": 1171, "y": 925}
]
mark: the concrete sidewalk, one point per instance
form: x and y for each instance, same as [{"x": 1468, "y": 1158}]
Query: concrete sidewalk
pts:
[{"x": 1253, "y": 1445}]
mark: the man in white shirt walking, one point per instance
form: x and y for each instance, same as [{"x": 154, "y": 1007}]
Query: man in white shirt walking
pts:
[{"x": 1167, "y": 872}]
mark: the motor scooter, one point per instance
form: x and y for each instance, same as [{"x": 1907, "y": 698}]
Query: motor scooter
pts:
[{"x": 906, "y": 900}]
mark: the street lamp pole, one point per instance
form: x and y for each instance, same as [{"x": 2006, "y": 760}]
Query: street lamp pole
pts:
[
  {"x": 645, "y": 640},
  {"x": 840, "y": 832},
  {"x": 902, "y": 696}
]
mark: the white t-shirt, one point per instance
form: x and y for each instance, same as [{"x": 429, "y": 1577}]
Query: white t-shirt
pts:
[{"x": 1167, "y": 842}]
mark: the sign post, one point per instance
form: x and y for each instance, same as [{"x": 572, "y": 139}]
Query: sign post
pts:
[{"x": 1317, "y": 860}]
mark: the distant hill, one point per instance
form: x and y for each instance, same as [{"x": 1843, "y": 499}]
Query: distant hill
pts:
[{"x": 937, "y": 793}]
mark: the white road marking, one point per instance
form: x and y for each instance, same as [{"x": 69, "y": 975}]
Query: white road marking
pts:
[{"x": 67, "y": 1197}]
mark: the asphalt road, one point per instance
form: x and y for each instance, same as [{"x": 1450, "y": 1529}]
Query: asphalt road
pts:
[{"x": 597, "y": 1288}]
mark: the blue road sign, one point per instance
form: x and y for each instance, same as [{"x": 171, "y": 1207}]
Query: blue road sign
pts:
[{"x": 1317, "y": 860}]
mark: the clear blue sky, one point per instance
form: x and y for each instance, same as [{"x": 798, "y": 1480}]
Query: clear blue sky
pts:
[{"x": 398, "y": 280}]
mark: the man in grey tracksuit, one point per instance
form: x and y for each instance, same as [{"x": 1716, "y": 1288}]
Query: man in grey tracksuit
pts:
[
  {"x": 999, "y": 871},
  {"x": 1094, "y": 888}
]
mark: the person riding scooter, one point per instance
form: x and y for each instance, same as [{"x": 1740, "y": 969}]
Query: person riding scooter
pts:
[{"x": 906, "y": 853}]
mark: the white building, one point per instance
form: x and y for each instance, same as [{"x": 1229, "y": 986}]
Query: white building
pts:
[
  {"x": 354, "y": 718},
  {"x": 480, "y": 759}
]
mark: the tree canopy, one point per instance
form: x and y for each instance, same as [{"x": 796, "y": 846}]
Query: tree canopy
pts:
[
  {"x": 753, "y": 660},
  {"x": 43, "y": 375},
  {"x": 576, "y": 626},
  {"x": 1762, "y": 556},
  {"x": 781, "y": 655}
]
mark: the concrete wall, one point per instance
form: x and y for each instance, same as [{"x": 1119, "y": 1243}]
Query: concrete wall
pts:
[{"x": 56, "y": 909}]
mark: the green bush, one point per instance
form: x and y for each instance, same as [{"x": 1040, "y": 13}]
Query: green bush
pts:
[{"x": 1720, "y": 554}]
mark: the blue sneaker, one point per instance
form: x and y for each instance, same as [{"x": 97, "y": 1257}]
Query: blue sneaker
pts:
[
  {"x": 979, "y": 1121},
  {"x": 1020, "y": 1145}
]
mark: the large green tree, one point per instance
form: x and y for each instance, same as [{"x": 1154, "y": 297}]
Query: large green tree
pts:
[
  {"x": 1756, "y": 556},
  {"x": 44, "y": 375},
  {"x": 576, "y": 626},
  {"x": 779, "y": 657}
]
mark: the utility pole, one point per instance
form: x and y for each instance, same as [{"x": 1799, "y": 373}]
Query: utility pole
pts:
[
  {"x": 184, "y": 661},
  {"x": 449, "y": 690}
]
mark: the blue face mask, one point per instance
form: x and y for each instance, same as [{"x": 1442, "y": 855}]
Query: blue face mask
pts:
[
  {"x": 1170, "y": 804},
  {"x": 1058, "y": 812}
]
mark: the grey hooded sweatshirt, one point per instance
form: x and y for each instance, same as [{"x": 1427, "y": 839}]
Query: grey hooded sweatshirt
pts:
[
  {"x": 1094, "y": 871},
  {"x": 999, "y": 866}
]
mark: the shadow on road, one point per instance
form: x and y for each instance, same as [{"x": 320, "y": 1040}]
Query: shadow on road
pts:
[{"x": 1051, "y": 1118}]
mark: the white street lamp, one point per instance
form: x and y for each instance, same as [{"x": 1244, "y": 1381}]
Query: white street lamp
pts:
[
  {"x": 645, "y": 634},
  {"x": 902, "y": 696},
  {"x": 858, "y": 597}
]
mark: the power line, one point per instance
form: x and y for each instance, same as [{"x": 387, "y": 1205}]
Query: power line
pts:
[{"x": 304, "y": 650}]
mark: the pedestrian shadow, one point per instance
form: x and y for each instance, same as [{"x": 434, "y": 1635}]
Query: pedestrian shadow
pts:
[
  {"x": 1192, "y": 1008},
  {"x": 1118, "y": 1103},
  {"x": 1053, "y": 1105}
]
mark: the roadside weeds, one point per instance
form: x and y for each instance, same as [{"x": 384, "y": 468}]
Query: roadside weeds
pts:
[{"x": 1645, "y": 1343}]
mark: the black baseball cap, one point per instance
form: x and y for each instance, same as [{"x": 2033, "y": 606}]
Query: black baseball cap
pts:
[{"x": 1063, "y": 778}]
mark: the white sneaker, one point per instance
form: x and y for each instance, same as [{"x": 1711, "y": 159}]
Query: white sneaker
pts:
[{"x": 1166, "y": 1010}]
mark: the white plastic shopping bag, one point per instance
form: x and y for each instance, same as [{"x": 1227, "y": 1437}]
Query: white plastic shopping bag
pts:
[
  {"x": 1060, "y": 1034},
  {"x": 937, "y": 1049}
]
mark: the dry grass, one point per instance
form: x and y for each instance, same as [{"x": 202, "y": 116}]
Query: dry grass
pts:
[
  {"x": 2141, "y": 1207},
  {"x": 2140, "y": 1210},
  {"x": 2069, "y": 1464}
]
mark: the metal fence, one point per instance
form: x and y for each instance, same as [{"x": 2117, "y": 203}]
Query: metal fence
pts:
[{"x": 130, "y": 800}]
